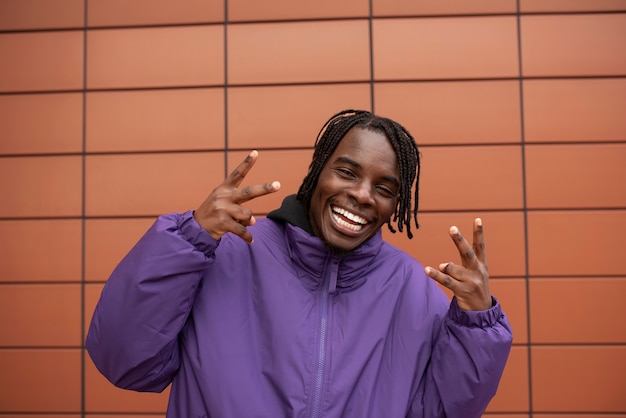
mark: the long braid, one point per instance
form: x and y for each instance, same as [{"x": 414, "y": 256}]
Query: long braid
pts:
[{"x": 403, "y": 143}]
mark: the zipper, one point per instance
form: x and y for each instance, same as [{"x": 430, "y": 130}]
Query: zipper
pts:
[{"x": 330, "y": 280}]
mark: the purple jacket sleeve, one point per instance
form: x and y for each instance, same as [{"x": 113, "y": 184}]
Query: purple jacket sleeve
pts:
[
  {"x": 133, "y": 336},
  {"x": 468, "y": 358}
]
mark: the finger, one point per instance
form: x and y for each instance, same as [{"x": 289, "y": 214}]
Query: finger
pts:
[
  {"x": 453, "y": 270},
  {"x": 251, "y": 192},
  {"x": 468, "y": 256},
  {"x": 441, "y": 278},
  {"x": 242, "y": 215},
  {"x": 479, "y": 240},
  {"x": 241, "y": 231},
  {"x": 235, "y": 178}
]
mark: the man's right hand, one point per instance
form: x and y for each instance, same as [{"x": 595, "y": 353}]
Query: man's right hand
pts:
[{"x": 222, "y": 212}]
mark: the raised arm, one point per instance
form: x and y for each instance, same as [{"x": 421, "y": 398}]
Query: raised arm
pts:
[
  {"x": 133, "y": 335},
  {"x": 472, "y": 345}
]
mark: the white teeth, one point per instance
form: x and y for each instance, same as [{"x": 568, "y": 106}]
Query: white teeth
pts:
[
  {"x": 351, "y": 216},
  {"x": 346, "y": 224}
]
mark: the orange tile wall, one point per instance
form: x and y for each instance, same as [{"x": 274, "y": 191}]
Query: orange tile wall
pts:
[{"x": 115, "y": 111}]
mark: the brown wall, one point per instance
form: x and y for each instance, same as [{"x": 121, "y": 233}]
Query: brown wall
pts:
[{"x": 519, "y": 109}]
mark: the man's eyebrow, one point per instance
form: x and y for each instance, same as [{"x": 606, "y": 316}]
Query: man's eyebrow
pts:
[
  {"x": 348, "y": 160},
  {"x": 356, "y": 164}
]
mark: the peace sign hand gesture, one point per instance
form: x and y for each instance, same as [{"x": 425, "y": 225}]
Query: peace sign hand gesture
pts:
[
  {"x": 469, "y": 281},
  {"x": 222, "y": 212}
]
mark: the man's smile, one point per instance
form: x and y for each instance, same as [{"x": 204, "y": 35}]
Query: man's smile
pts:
[{"x": 347, "y": 219}]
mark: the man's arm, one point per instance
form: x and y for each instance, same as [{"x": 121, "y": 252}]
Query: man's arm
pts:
[
  {"x": 133, "y": 336},
  {"x": 473, "y": 344}
]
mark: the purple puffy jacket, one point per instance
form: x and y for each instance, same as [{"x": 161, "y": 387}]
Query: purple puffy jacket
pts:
[{"x": 282, "y": 328}]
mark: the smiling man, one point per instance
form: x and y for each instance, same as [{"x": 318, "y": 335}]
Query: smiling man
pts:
[
  {"x": 357, "y": 190},
  {"x": 308, "y": 312}
]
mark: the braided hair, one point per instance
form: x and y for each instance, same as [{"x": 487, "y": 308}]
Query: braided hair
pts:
[{"x": 402, "y": 142}]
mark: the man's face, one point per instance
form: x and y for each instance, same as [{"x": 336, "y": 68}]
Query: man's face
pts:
[{"x": 357, "y": 190}]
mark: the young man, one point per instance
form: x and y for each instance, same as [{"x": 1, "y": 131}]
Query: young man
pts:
[{"x": 308, "y": 312}]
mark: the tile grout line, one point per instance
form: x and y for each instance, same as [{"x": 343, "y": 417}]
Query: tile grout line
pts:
[
  {"x": 371, "y": 51},
  {"x": 525, "y": 208},
  {"x": 83, "y": 219},
  {"x": 225, "y": 89}
]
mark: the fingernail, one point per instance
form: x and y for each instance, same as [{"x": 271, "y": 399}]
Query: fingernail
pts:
[
  {"x": 254, "y": 153},
  {"x": 479, "y": 222},
  {"x": 454, "y": 230},
  {"x": 428, "y": 270},
  {"x": 275, "y": 185}
]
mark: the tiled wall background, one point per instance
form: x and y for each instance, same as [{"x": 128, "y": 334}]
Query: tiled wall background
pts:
[{"x": 115, "y": 111}]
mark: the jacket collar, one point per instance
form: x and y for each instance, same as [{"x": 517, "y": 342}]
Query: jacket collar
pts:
[
  {"x": 313, "y": 261},
  {"x": 292, "y": 212}
]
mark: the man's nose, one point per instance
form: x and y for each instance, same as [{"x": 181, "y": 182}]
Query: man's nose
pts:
[{"x": 363, "y": 193}]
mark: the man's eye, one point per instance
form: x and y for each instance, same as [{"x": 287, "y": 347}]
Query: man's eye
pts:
[
  {"x": 385, "y": 191},
  {"x": 344, "y": 172}
]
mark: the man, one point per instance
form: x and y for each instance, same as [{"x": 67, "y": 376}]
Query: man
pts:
[{"x": 308, "y": 312}]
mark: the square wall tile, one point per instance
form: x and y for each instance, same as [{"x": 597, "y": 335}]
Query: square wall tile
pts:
[
  {"x": 155, "y": 57},
  {"x": 102, "y": 397},
  {"x": 41, "y": 123},
  {"x": 513, "y": 391},
  {"x": 579, "y": 415},
  {"x": 286, "y": 166},
  {"x": 250, "y": 10},
  {"x": 445, "y": 48},
  {"x": 140, "y": 415},
  {"x": 41, "y": 186},
  {"x": 40, "y": 250},
  {"x": 150, "y": 184},
  {"x": 527, "y": 6},
  {"x": 573, "y": 45},
  {"x": 153, "y": 12},
  {"x": 462, "y": 112},
  {"x": 431, "y": 244},
  {"x": 287, "y": 116},
  {"x": 40, "y": 380},
  {"x": 441, "y": 7},
  {"x": 155, "y": 120},
  {"x": 496, "y": 415},
  {"x": 580, "y": 379},
  {"x": 41, "y": 61},
  {"x": 596, "y": 314},
  {"x": 107, "y": 241},
  {"x": 325, "y": 51},
  {"x": 575, "y": 243},
  {"x": 77, "y": 415},
  {"x": 576, "y": 176},
  {"x": 575, "y": 110},
  {"x": 41, "y": 14},
  {"x": 39, "y": 315},
  {"x": 492, "y": 174}
]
